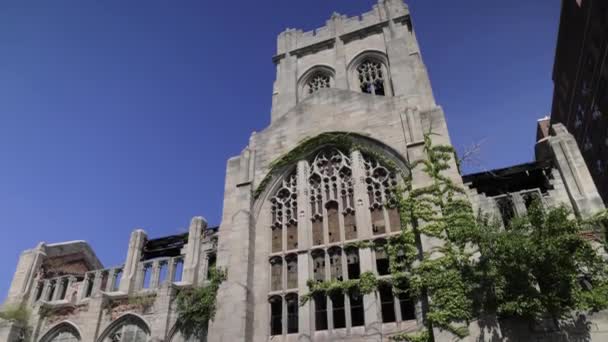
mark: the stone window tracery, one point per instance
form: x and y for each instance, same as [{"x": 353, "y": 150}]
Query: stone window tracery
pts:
[
  {"x": 62, "y": 333},
  {"x": 284, "y": 218},
  {"x": 371, "y": 77},
  {"x": 129, "y": 331},
  {"x": 327, "y": 185},
  {"x": 318, "y": 81}
]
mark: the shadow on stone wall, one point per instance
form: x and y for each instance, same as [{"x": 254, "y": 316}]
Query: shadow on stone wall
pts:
[{"x": 575, "y": 329}]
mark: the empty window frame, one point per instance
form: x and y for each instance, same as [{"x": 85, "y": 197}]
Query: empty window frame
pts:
[
  {"x": 292, "y": 271},
  {"x": 276, "y": 315},
  {"x": 338, "y": 311},
  {"x": 335, "y": 263},
  {"x": 292, "y": 313},
  {"x": 387, "y": 303},
  {"x": 353, "y": 264},
  {"x": 357, "y": 316},
  {"x": 320, "y": 302}
]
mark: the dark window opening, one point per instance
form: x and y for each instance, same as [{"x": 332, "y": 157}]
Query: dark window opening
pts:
[
  {"x": 407, "y": 306},
  {"x": 356, "y": 310},
  {"x": 352, "y": 258},
  {"x": 320, "y": 312},
  {"x": 339, "y": 314},
  {"x": 292, "y": 314},
  {"x": 506, "y": 209},
  {"x": 89, "y": 290},
  {"x": 212, "y": 260},
  {"x": 276, "y": 316},
  {"x": 382, "y": 263},
  {"x": 335, "y": 264},
  {"x": 319, "y": 265},
  {"x": 64, "y": 289},
  {"x": 530, "y": 198},
  {"x": 387, "y": 302},
  {"x": 38, "y": 292}
]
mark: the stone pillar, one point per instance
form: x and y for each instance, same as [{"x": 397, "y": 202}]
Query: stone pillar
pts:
[
  {"x": 155, "y": 276},
  {"x": 110, "y": 282},
  {"x": 373, "y": 323},
  {"x": 97, "y": 283},
  {"x": 234, "y": 318},
  {"x": 193, "y": 250},
  {"x": 171, "y": 270},
  {"x": 82, "y": 289},
  {"x": 362, "y": 214},
  {"x": 25, "y": 274},
  {"x": 129, "y": 274},
  {"x": 563, "y": 149},
  {"x": 46, "y": 287}
]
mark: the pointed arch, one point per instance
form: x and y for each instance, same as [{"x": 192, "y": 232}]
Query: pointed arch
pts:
[
  {"x": 63, "y": 330},
  {"x": 128, "y": 319}
]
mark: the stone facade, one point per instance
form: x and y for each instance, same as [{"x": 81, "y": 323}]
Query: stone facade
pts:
[{"x": 363, "y": 77}]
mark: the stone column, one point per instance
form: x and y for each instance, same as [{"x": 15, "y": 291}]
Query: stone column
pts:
[
  {"x": 373, "y": 324},
  {"x": 563, "y": 149},
  {"x": 97, "y": 283},
  {"x": 129, "y": 274},
  {"x": 155, "y": 276},
  {"x": 362, "y": 214},
  {"x": 25, "y": 274},
  {"x": 193, "y": 250},
  {"x": 111, "y": 281}
]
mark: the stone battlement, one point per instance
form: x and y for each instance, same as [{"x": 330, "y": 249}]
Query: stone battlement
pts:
[{"x": 341, "y": 25}]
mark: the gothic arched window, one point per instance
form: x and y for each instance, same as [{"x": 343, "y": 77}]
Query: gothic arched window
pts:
[
  {"x": 315, "y": 79},
  {"x": 371, "y": 77},
  {"x": 128, "y": 329},
  {"x": 63, "y": 332}
]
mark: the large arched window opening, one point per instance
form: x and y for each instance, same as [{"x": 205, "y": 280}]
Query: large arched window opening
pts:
[
  {"x": 63, "y": 332},
  {"x": 333, "y": 197},
  {"x": 128, "y": 328},
  {"x": 369, "y": 74},
  {"x": 315, "y": 79}
]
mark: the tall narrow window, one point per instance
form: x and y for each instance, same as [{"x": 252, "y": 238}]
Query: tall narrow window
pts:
[
  {"x": 387, "y": 303},
  {"x": 39, "y": 289},
  {"x": 352, "y": 260},
  {"x": 394, "y": 219},
  {"x": 89, "y": 285},
  {"x": 146, "y": 277},
  {"x": 371, "y": 77},
  {"x": 333, "y": 222},
  {"x": 211, "y": 261},
  {"x": 317, "y": 232},
  {"x": 179, "y": 269},
  {"x": 378, "y": 226},
  {"x": 292, "y": 271},
  {"x": 407, "y": 306},
  {"x": 51, "y": 291},
  {"x": 506, "y": 209},
  {"x": 382, "y": 261},
  {"x": 277, "y": 239},
  {"x": 284, "y": 209},
  {"x": 64, "y": 288},
  {"x": 335, "y": 261},
  {"x": 350, "y": 226},
  {"x": 339, "y": 317},
  {"x": 292, "y": 313},
  {"x": 276, "y": 316},
  {"x": 276, "y": 274},
  {"x": 318, "y": 259},
  {"x": 292, "y": 236},
  {"x": 357, "y": 316},
  {"x": 320, "y": 312}
]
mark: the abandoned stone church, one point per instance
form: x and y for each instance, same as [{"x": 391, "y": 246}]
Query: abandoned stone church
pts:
[{"x": 363, "y": 76}]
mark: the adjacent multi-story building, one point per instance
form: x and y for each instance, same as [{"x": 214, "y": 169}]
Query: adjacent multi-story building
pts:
[
  {"x": 299, "y": 205},
  {"x": 580, "y": 76}
]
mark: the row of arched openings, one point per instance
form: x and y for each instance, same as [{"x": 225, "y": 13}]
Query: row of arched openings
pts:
[{"x": 128, "y": 328}]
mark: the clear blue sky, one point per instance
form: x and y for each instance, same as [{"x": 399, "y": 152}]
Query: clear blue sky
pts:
[{"x": 121, "y": 114}]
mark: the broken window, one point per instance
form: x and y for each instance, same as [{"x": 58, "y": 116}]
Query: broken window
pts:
[
  {"x": 371, "y": 77},
  {"x": 276, "y": 315},
  {"x": 292, "y": 313},
  {"x": 64, "y": 288},
  {"x": 292, "y": 271},
  {"x": 318, "y": 257},
  {"x": 350, "y": 226},
  {"x": 394, "y": 219},
  {"x": 387, "y": 303},
  {"x": 292, "y": 236},
  {"x": 333, "y": 222},
  {"x": 146, "y": 276},
  {"x": 320, "y": 312},
  {"x": 179, "y": 268},
  {"x": 506, "y": 209},
  {"x": 357, "y": 316},
  {"x": 335, "y": 263},
  {"x": 352, "y": 260},
  {"x": 378, "y": 226},
  {"x": 317, "y": 232},
  {"x": 89, "y": 285},
  {"x": 277, "y": 239},
  {"x": 276, "y": 274},
  {"x": 339, "y": 315}
]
